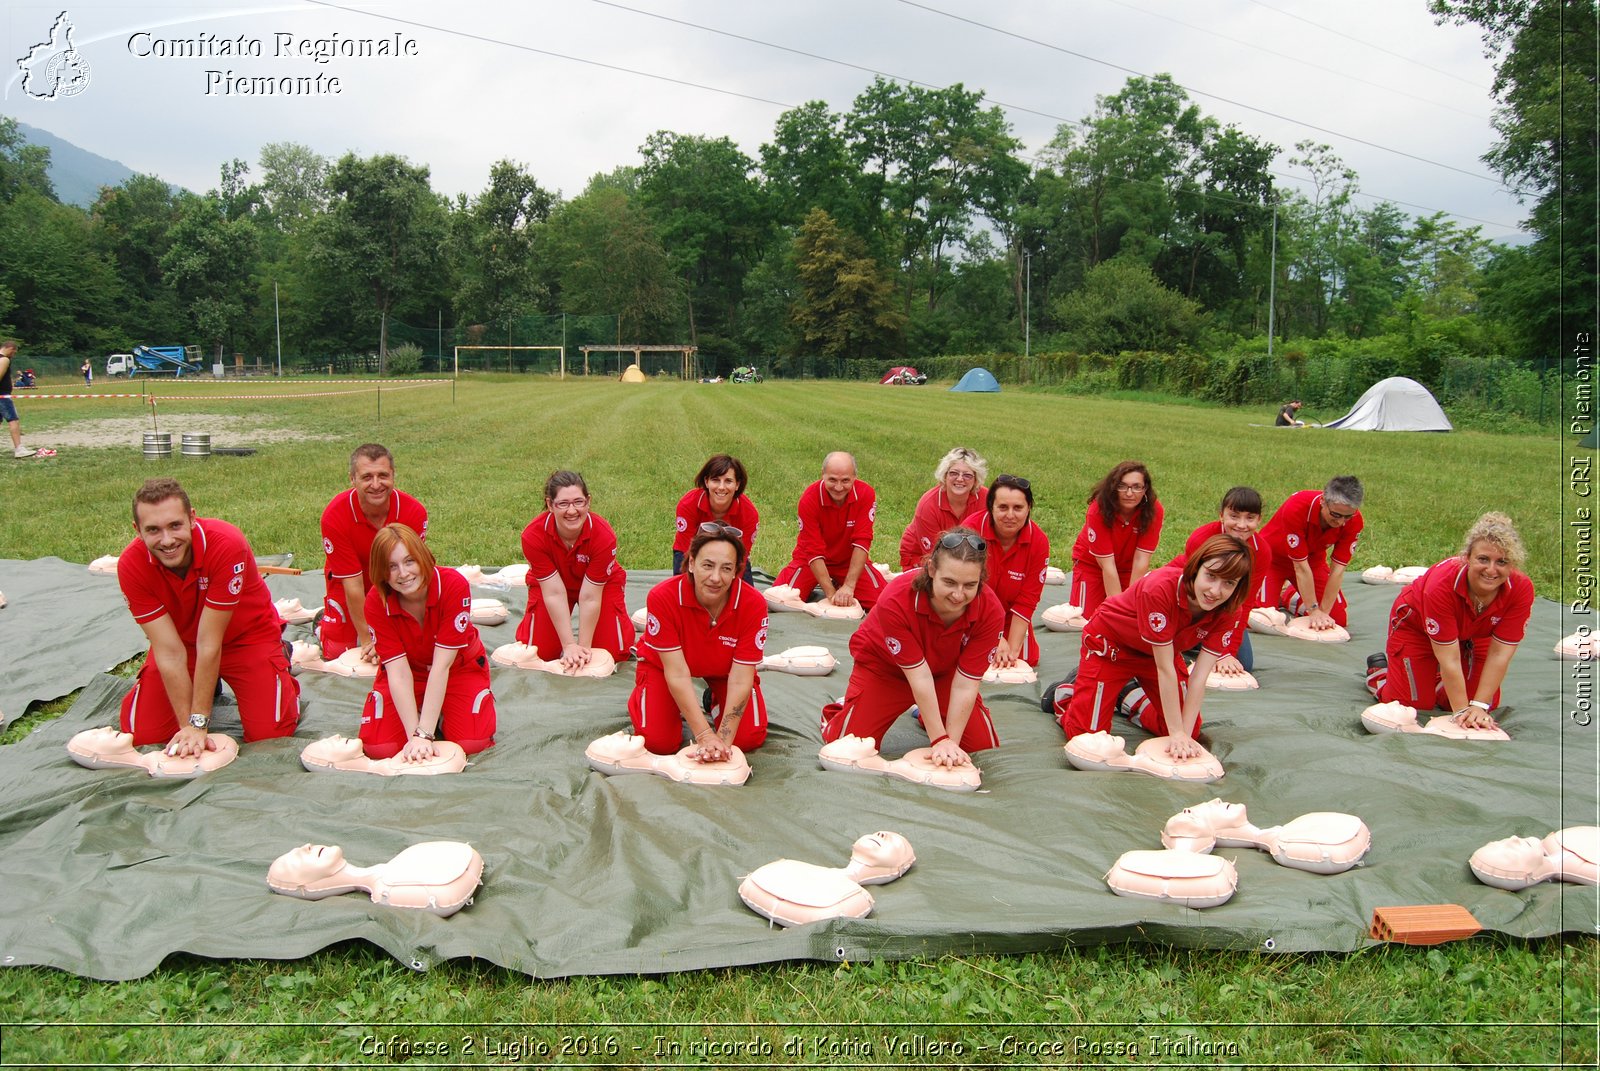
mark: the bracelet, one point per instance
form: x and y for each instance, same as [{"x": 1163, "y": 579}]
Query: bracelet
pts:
[
  {"x": 418, "y": 732},
  {"x": 1464, "y": 711},
  {"x": 1480, "y": 704},
  {"x": 941, "y": 738},
  {"x": 1313, "y": 607}
]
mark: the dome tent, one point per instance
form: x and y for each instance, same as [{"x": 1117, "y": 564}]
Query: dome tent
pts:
[
  {"x": 978, "y": 379},
  {"x": 1394, "y": 404},
  {"x": 633, "y": 374}
]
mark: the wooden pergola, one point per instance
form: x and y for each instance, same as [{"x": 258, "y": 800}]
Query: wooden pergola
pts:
[{"x": 688, "y": 367}]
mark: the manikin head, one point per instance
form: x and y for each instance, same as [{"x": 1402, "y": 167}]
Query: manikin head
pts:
[
  {"x": 960, "y": 472},
  {"x": 881, "y": 849},
  {"x": 1341, "y": 500},
  {"x": 335, "y": 749},
  {"x": 716, "y": 558},
  {"x": 953, "y": 572},
  {"x": 309, "y": 862},
  {"x": 1010, "y": 505},
  {"x": 1214, "y": 576},
  {"x": 372, "y": 475},
  {"x": 164, "y": 520},
  {"x": 1240, "y": 512},
  {"x": 838, "y": 476},
  {"x": 723, "y": 479}
]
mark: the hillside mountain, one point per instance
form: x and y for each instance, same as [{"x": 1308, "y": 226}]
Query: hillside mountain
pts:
[{"x": 76, "y": 173}]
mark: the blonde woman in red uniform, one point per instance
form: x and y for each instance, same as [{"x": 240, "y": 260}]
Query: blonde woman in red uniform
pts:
[
  {"x": 433, "y": 676},
  {"x": 928, "y": 642},
  {"x": 718, "y": 496},
  {"x": 1141, "y": 634},
  {"x": 1120, "y": 531},
  {"x": 1019, "y": 553},
  {"x": 956, "y": 494},
  {"x": 705, "y": 622},
  {"x": 572, "y": 561}
]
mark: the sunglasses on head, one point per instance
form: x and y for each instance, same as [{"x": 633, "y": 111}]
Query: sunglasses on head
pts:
[
  {"x": 718, "y": 528},
  {"x": 1005, "y": 479},
  {"x": 952, "y": 540}
]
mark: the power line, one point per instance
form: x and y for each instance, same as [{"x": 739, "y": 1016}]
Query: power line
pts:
[
  {"x": 1300, "y": 60},
  {"x": 1200, "y": 92},
  {"x": 1369, "y": 44}
]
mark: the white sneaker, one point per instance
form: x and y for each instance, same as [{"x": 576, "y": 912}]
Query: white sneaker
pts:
[{"x": 22, "y": 451}]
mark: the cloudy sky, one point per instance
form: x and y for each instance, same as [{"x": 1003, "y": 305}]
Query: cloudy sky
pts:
[{"x": 572, "y": 87}]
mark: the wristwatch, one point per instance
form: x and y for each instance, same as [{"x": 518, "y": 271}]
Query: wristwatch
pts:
[{"x": 199, "y": 721}]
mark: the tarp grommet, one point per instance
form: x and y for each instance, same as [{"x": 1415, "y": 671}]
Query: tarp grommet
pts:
[{"x": 1268, "y": 945}]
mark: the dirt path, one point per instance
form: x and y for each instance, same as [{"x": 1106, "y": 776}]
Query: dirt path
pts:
[{"x": 130, "y": 431}]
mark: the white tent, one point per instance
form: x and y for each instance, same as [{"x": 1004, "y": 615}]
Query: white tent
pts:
[{"x": 1394, "y": 404}]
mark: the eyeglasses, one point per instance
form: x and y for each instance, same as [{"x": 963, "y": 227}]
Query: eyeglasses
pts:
[
  {"x": 718, "y": 528},
  {"x": 962, "y": 477},
  {"x": 569, "y": 505},
  {"x": 952, "y": 540},
  {"x": 1005, "y": 479},
  {"x": 1130, "y": 488},
  {"x": 1336, "y": 515}
]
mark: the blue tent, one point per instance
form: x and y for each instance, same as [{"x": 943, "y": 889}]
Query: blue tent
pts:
[{"x": 978, "y": 379}]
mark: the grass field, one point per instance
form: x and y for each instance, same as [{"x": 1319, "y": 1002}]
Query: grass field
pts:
[{"x": 477, "y": 455}]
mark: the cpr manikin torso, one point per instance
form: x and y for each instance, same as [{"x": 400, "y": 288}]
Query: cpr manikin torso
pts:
[
  {"x": 341, "y": 753},
  {"x": 1021, "y": 673},
  {"x": 438, "y": 876},
  {"x": 1322, "y": 842},
  {"x": 1382, "y": 574},
  {"x": 1578, "y": 647},
  {"x": 792, "y": 893},
  {"x": 1396, "y": 717},
  {"x": 1174, "y": 877},
  {"x": 1232, "y": 682},
  {"x": 1063, "y": 617},
  {"x": 783, "y": 598},
  {"x": 488, "y": 612},
  {"x": 307, "y": 657},
  {"x": 105, "y": 748},
  {"x": 512, "y": 576},
  {"x": 526, "y": 656},
  {"x": 1571, "y": 854},
  {"x": 1272, "y": 622},
  {"x": 104, "y": 566},
  {"x": 624, "y": 753},
  {"x": 858, "y": 754},
  {"x": 1102, "y": 751},
  {"x": 801, "y": 662},
  {"x": 1053, "y": 575}
]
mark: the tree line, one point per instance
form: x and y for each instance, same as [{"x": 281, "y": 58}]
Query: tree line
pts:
[{"x": 908, "y": 226}]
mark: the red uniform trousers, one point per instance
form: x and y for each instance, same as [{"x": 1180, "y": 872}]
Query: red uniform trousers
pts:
[
  {"x": 613, "y": 631},
  {"x": 335, "y": 633},
  {"x": 1100, "y": 680},
  {"x": 1088, "y": 587},
  {"x": 873, "y": 702},
  {"x": 1413, "y": 677},
  {"x": 869, "y": 585},
  {"x": 1281, "y": 581},
  {"x": 656, "y": 716},
  {"x": 268, "y": 696},
  {"x": 467, "y": 716}
]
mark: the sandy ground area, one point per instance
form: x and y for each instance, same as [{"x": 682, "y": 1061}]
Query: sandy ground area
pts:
[{"x": 130, "y": 432}]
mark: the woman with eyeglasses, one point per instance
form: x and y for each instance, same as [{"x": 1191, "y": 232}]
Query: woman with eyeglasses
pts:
[
  {"x": 1019, "y": 553},
  {"x": 956, "y": 494},
  {"x": 1452, "y": 632},
  {"x": 433, "y": 676},
  {"x": 708, "y": 623},
  {"x": 1120, "y": 532},
  {"x": 718, "y": 495},
  {"x": 927, "y": 643},
  {"x": 572, "y": 562},
  {"x": 1138, "y": 638}
]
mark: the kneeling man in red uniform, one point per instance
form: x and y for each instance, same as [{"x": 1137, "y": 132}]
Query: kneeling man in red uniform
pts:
[
  {"x": 192, "y": 585},
  {"x": 832, "y": 547}
]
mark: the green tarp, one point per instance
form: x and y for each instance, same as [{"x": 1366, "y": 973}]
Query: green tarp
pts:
[{"x": 107, "y": 872}]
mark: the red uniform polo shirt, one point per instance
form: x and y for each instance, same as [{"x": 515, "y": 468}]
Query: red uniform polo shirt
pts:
[
  {"x": 592, "y": 557},
  {"x": 223, "y": 574},
  {"x": 347, "y": 535},
  {"x": 1260, "y": 560},
  {"x": 694, "y": 509},
  {"x": 677, "y": 622},
  {"x": 1156, "y": 611},
  {"x": 1296, "y": 533},
  {"x": 903, "y": 632},
  {"x": 446, "y": 622},
  {"x": 831, "y": 531},
  {"x": 934, "y": 515},
  {"x": 1016, "y": 576},
  {"x": 1118, "y": 539},
  {"x": 1441, "y": 607}
]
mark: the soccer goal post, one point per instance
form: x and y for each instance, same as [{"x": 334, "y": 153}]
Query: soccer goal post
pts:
[{"x": 492, "y": 364}]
